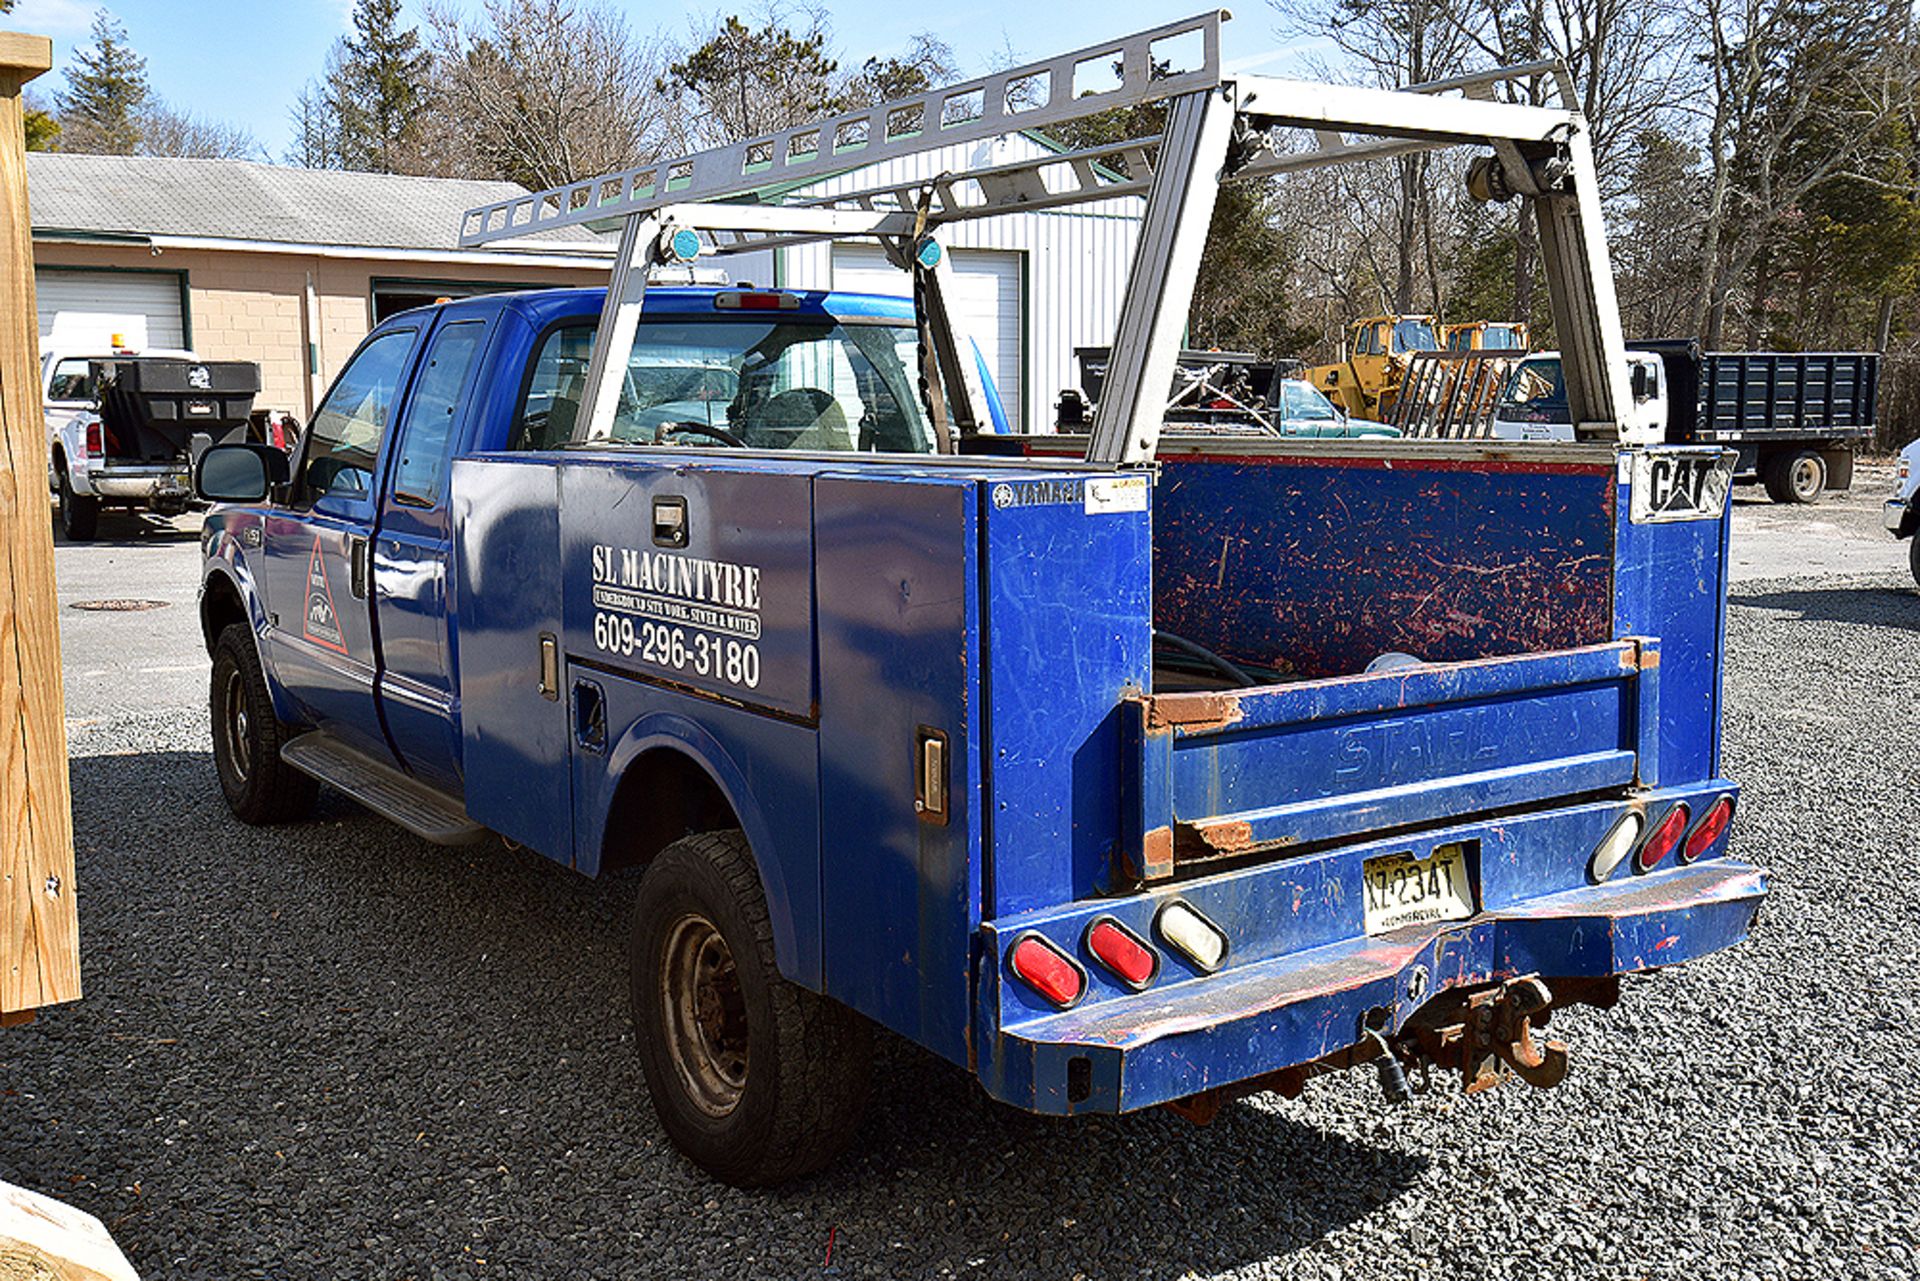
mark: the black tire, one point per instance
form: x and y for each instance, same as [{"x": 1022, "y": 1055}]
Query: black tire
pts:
[
  {"x": 1799, "y": 477},
  {"x": 259, "y": 787},
  {"x": 79, "y": 516},
  {"x": 1913, "y": 557},
  {"x": 758, "y": 1081}
]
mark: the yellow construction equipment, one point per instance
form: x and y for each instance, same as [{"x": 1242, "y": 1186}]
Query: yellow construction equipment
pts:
[
  {"x": 1366, "y": 382},
  {"x": 1485, "y": 335}
]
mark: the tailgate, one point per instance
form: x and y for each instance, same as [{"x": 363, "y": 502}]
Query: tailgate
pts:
[{"x": 1236, "y": 773}]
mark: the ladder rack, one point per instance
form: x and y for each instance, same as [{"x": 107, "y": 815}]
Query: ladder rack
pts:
[
  {"x": 766, "y": 192},
  {"x": 1033, "y": 96}
]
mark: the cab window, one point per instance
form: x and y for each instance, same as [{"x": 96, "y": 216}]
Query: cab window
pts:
[
  {"x": 812, "y": 385},
  {"x": 71, "y": 381},
  {"x": 344, "y": 441},
  {"x": 425, "y": 440},
  {"x": 1414, "y": 335}
]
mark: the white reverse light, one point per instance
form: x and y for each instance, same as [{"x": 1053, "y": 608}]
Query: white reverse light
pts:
[
  {"x": 1192, "y": 935},
  {"x": 1615, "y": 846}
]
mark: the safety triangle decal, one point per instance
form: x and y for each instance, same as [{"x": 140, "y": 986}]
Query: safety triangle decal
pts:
[{"x": 322, "y": 622}]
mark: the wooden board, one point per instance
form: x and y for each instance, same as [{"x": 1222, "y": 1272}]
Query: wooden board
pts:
[
  {"x": 41, "y": 1239},
  {"x": 39, "y": 932}
]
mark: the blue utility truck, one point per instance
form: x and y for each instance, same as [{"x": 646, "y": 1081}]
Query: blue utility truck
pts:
[{"x": 1121, "y": 770}]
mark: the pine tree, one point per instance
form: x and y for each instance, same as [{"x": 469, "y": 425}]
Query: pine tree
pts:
[
  {"x": 106, "y": 91},
  {"x": 381, "y": 87},
  {"x": 43, "y": 131}
]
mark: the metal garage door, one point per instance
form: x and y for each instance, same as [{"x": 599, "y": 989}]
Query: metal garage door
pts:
[
  {"x": 988, "y": 309},
  {"x": 83, "y": 310}
]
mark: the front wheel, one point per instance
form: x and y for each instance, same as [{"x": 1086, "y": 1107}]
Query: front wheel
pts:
[
  {"x": 755, "y": 1079},
  {"x": 259, "y": 787},
  {"x": 1796, "y": 478}
]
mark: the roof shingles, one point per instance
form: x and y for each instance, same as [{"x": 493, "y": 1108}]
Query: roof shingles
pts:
[{"x": 244, "y": 200}]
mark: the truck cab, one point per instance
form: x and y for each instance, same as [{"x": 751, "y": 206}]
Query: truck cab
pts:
[
  {"x": 1533, "y": 404},
  {"x": 1366, "y": 380},
  {"x": 1484, "y": 335}
]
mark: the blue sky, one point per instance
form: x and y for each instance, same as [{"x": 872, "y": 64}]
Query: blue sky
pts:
[{"x": 245, "y": 60}]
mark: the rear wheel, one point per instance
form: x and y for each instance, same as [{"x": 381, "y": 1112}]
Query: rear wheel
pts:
[
  {"x": 1913, "y": 556},
  {"x": 259, "y": 787},
  {"x": 754, "y": 1078},
  {"x": 79, "y": 516},
  {"x": 1796, "y": 478}
]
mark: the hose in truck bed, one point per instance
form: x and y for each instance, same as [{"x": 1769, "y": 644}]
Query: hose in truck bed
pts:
[{"x": 1203, "y": 656}]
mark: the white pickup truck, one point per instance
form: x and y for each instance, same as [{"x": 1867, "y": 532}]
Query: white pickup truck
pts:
[
  {"x": 121, "y": 427},
  {"x": 1902, "y": 512}
]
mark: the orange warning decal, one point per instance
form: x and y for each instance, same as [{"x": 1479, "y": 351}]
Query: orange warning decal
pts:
[{"x": 322, "y": 622}]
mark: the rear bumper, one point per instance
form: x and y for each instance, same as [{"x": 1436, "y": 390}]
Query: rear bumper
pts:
[
  {"x": 1201, "y": 1032},
  {"x": 141, "y": 484},
  {"x": 1893, "y": 515}
]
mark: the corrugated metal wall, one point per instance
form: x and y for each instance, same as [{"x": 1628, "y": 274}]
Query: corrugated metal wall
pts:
[{"x": 1076, "y": 259}]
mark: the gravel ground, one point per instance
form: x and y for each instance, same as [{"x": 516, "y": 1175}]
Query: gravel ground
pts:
[{"x": 337, "y": 1052}]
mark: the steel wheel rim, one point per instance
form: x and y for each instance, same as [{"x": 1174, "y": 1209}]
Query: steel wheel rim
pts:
[
  {"x": 706, "y": 1015},
  {"x": 1805, "y": 477},
  {"x": 236, "y": 727}
]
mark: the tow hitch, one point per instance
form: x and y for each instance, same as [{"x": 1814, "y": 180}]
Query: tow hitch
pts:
[{"x": 1484, "y": 1033}]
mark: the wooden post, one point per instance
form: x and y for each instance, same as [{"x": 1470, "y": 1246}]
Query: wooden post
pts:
[{"x": 39, "y": 929}]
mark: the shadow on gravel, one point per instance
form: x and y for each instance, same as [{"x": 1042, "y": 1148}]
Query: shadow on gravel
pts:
[
  {"x": 331, "y": 1050},
  {"x": 123, "y": 529},
  {"x": 1869, "y": 605}
]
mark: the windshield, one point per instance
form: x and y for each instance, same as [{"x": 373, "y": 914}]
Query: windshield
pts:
[
  {"x": 754, "y": 383},
  {"x": 1414, "y": 335},
  {"x": 1537, "y": 390},
  {"x": 1500, "y": 338},
  {"x": 1301, "y": 400}
]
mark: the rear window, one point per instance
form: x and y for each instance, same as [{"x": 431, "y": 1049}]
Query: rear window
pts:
[{"x": 747, "y": 382}]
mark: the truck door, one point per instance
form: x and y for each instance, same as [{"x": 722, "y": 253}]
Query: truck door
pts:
[
  {"x": 412, "y": 555},
  {"x": 316, "y": 560}
]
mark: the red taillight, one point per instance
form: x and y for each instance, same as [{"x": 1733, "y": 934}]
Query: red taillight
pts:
[
  {"x": 1664, "y": 836},
  {"x": 1120, "y": 950},
  {"x": 1709, "y": 829},
  {"x": 93, "y": 440},
  {"x": 1047, "y": 970}
]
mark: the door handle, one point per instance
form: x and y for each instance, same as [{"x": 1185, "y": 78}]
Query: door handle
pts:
[{"x": 357, "y": 566}]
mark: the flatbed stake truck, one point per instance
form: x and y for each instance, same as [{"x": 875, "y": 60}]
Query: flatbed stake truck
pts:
[{"x": 1120, "y": 770}]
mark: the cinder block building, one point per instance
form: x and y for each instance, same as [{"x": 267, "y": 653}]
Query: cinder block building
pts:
[{"x": 243, "y": 261}]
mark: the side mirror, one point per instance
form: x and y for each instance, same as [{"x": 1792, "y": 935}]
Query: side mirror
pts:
[
  {"x": 1642, "y": 382},
  {"x": 239, "y": 473}
]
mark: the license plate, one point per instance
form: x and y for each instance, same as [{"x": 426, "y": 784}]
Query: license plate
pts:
[{"x": 1404, "y": 890}]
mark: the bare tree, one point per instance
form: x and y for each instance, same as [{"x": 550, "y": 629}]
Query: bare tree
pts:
[
  {"x": 545, "y": 92},
  {"x": 1783, "y": 72},
  {"x": 1394, "y": 43},
  {"x": 1629, "y": 61},
  {"x": 167, "y": 132}
]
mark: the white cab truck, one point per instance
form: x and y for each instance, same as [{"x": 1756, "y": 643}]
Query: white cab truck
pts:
[
  {"x": 1794, "y": 417},
  {"x": 1902, "y": 512},
  {"x": 121, "y": 427}
]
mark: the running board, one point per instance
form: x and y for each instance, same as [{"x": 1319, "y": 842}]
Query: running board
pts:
[{"x": 386, "y": 791}]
